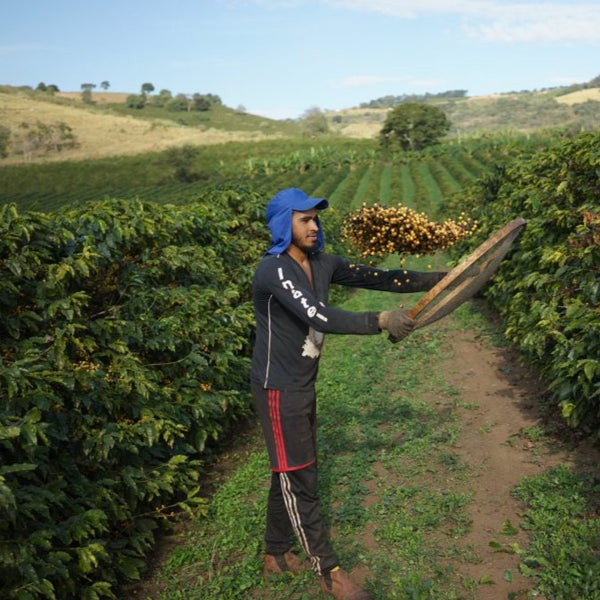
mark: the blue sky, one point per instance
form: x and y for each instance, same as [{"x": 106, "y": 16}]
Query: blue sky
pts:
[{"x": 279, "y": 58}]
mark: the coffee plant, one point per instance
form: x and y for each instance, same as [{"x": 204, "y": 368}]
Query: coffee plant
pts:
[
  {"x": 125, "y": 331},
  {"x": 549, "y": 290}
]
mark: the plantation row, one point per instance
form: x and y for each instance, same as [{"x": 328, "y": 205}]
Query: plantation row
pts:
[
  {"x": 124, "y": 344},
  {"x": 549, "y": 292},
  {"x": 181, "y": 174},
  {"x": 126, "y": 329}
]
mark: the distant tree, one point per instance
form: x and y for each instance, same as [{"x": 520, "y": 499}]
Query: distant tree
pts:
[
  {"x": 200, "y": 102},
  {"x": 45, "y": 137},
  {"x": 147, "y": 88},
  {"x": 42, "y": 87},
  {"x": 241, "y": 109},
  {"x": 4, "y": 141},
  {"x": 178, "y": 103},
  {"x": 593, "y": 83},
  {"x": 162, "y": 98},
  {"x": 105, "y": 85},
  {"x": 86, "y": 92},
  {"x": 413, "y": 126},
  {"x": 182, "y": 160},
  {"x": 137, "y": 101},
  {"x": 314, "y": 122},
  {"x": 214, "y": 99},
  {"x": 391, "y": 101}
]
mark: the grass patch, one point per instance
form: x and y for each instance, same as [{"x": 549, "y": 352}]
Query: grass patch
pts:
[{"x": 563, "y": 516}]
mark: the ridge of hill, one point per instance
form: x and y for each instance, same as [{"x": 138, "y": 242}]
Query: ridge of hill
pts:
[
  {"x": 101, "y": 131},
  {"x": 107, "y": 127},
  {"x": 523, "y": 112}
]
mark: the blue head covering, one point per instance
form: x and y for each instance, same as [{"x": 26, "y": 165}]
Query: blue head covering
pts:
[{"x": 279, "y": 217}]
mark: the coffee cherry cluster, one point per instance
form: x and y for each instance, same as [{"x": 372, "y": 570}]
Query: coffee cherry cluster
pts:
[{"x": 376, "y": 231}]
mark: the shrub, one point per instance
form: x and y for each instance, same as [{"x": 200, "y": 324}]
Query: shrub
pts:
[
  {"x": 549, "y": 290},
  {"x": 124, "y": 342}
]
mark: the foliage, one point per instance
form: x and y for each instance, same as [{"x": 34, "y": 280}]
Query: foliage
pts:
[
  {"x": 161, "y": 98},
  {"x": 413, "y": 126},
  {"x": 137, "y": 101},
  {"x": 391, "y": 101},
  {"x": 86, "y": 92},
  {"x": 124, "y": 342},
  {"x": 4, "y": 141},
  {"x": 549, "y": 290},
  {"x": 181, "y": 102},
  {"x": 125, "y": 327},
  {"x": 151, "y": 176},
  {"x": 182, "y": 159},
  {"x": 147, "y": 88},
  {"x": 562, "y": 516},
  {"x": 44, "y": 137},
  {"x": 314, "y": 122}
]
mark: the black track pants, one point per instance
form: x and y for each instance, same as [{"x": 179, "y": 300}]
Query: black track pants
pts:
[{"x": 288, "y": 421}]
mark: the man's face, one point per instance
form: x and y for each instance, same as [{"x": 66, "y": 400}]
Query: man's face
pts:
[{"x": 305, "y": 226}]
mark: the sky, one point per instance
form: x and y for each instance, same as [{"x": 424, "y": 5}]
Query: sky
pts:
[{"x": 281, "y": 58}]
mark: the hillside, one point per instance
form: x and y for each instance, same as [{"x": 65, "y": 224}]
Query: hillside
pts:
[
  {"x": 108, "y": 128},
  {"x": 523, "y": 112},
  {"x": 101, "y": 132}
]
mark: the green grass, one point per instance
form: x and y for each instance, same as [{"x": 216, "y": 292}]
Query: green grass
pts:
[
  {"x": 47, "y": 186},
  {"x": 563, "y": 516}
]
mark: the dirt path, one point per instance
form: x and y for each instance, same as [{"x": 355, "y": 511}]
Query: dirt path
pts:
[{"x": 499, "y": 419}]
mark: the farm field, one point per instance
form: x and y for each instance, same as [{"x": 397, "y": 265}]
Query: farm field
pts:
[
  {"x": 448, "y": 470},
  {"x": 437, "y": 513}
]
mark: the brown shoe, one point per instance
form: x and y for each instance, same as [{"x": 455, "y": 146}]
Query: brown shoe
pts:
[
  {"x": 339, "y": 585},
  {"x": 278, "y": 564}
]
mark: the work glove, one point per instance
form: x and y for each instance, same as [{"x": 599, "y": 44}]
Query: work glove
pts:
[{"x": 397, "y": 323}]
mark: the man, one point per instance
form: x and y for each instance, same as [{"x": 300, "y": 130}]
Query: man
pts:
[{"x": 290, "y": 291}]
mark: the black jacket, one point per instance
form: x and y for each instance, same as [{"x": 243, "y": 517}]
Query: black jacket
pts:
[{"x": 292, "y": 317}]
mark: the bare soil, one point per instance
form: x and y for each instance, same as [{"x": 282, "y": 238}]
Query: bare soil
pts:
[{"x": 500, "y": 401}]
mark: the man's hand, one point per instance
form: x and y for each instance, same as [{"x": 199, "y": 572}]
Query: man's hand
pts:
[{"x": 397, "y": 322}]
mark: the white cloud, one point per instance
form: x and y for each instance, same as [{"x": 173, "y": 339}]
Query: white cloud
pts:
[
  {"x": 498, "y": 20},
  {"x": 551, "y": 23}
]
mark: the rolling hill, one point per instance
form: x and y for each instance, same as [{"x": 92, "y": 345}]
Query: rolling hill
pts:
[
  {"x": 108, "y": 128},
  {"x": 102, "y": 132}
]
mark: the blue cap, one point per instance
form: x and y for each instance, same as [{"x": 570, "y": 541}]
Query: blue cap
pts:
[{"x": 279, "y": 217}]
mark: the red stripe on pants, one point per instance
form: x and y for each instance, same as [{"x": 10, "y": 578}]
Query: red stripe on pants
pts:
[{"x": 275, "y": 416}]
